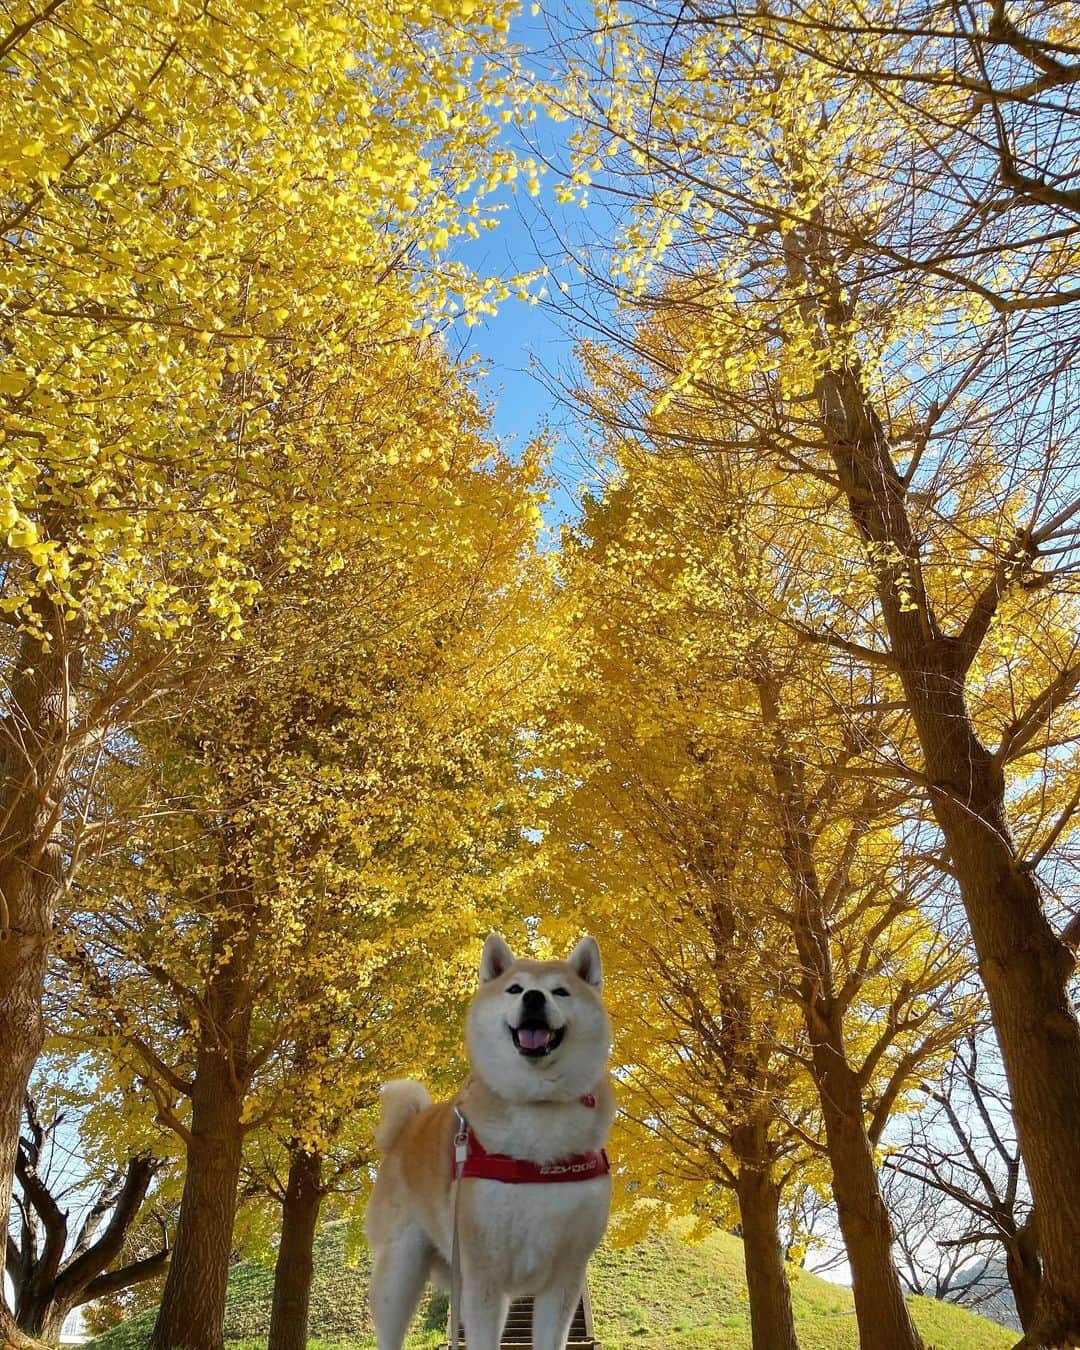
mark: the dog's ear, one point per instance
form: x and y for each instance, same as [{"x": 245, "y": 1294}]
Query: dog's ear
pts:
[
  {"x": 585, "y": 961},
  {"x": 497, "y": 957}
]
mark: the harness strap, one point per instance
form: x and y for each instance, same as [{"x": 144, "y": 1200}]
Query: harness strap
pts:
[
  {"x": 501, "y": 1167},
  {"x": 471, "y": 1159}
]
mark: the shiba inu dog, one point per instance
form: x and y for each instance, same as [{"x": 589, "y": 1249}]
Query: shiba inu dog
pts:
[{"x": 515, "y": 1162}]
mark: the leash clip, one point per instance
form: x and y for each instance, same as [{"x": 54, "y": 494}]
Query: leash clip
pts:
[{"x": 461, "y": 1144}]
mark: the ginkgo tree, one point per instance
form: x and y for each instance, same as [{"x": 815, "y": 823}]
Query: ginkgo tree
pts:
[
  {"x": 647, "y": 838},
  {"x": 766, "y": 190},
  {"x": 345, "y": 794},
  {"x": 316, "y": 1147},
  {"x": 783, "y": 991},
  {"x": 71, "y": 1224},
  {"x": 202, "y": 206}
]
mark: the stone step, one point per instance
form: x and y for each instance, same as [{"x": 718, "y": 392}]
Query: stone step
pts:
[{"x": 517, "y": 1332}]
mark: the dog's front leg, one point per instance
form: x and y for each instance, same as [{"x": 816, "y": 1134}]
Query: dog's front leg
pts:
[
  {"x": 483, "y": 1311},
  {"x": 553, "y": 1311}
]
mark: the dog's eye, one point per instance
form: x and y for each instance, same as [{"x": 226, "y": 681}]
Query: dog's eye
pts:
[
  {"x": 512, "y": 989},
  {"x": 561, "y": 992}
]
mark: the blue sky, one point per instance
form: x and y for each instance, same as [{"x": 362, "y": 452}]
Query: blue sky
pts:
[{"x": 528, "y": 350}]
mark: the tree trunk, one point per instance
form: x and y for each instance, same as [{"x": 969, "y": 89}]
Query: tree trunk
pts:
[
  {"x": 192, "y": 1312},
  {"x": 293, "y": 1269},
  {"x": 1024, "y": 965},
  {"x": 883, "y": 1317},
  {"x": 45, "y": 1320},
  {"x": 48, "y": 1291},
  {"x": 1025, "y": 969},
  {"x": 33, "y": 739},
  {"x": 1024, "y": 1271},
  {"x": 22, "y": 978},
  {"x": 11, "y": 1338},
  {"x": 882, "y": 1312},
  {"x": 772, "y": 1325},
  {"x": 44, "y": 1317}
]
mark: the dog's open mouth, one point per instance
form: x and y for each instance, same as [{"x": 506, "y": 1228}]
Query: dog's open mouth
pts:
[{"x": 535, "y": 1039}]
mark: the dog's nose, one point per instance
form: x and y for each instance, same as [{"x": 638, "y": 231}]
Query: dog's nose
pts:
[{"x": 533, "y": 1000}]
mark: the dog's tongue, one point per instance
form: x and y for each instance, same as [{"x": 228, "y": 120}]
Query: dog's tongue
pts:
[{"x": 533, "y": 1038}]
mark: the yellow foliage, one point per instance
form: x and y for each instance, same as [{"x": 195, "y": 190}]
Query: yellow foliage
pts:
[{"x": 207, "y": 208}]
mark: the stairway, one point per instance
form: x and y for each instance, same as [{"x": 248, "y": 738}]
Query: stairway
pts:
[{"x": 517, "y": 1332}]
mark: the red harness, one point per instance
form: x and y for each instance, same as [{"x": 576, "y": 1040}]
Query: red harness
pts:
[{"x": 471, "y": 1159}]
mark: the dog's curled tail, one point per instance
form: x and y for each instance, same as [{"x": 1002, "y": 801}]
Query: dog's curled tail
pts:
[{"x": 399, "y": 1101}]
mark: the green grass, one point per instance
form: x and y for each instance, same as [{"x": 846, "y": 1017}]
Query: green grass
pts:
[{"x": 660, "y": 1295}]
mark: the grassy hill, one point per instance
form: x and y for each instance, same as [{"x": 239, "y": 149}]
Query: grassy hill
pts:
[{"x": 661, "y": 1295}]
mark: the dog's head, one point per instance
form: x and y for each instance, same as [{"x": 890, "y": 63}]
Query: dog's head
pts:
[{"x": 537, "y": 1030}]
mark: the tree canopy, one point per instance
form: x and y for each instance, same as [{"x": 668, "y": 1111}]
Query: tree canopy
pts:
[{"x": 302, "y": 694}]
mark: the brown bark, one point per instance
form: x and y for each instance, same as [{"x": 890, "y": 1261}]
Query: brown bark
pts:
[
  {"x": 11, "y": 1338},
  {"x": 47, "y": 1290},
  {"x": 883, "y": 1317},
  {"x": 33, "y": 741},
  {"x": 293, "y": 1269},
  {"x": 1024, "y": 965},
  {"x": 882, "y": 1313},
  {"x": 772, "y": 1323},
  {"x": 48, "y": 1321},
  {"x": 1024, "y": 1271},
  {"x": 113, "y": 1281},
  {"x": 89, "y": 1260},
  {"x": 192, "y": 1311},
  {"x": 34, "y": 1263}
]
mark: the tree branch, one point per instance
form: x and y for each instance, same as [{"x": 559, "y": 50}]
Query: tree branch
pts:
[
  {"x": 126, "y": 1276},
  {"x": 1037, "y": 714},
  {"x": 95, "y": 1259}
]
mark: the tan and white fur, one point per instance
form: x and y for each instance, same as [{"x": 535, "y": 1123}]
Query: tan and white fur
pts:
[{"x": 538, "y": 1039}]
